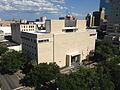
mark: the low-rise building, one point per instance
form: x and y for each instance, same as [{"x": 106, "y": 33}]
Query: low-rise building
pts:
[
  {"x": 66, "y": 42},
  {"x": 22, "y": 26},
  {"x": 5, "y": 26}
]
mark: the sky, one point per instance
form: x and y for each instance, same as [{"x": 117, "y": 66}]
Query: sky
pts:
[{"x": 32, "y": 9}]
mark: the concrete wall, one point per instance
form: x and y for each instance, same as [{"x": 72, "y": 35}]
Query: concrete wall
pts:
[
  {"x": 17, "y": 28},
  {"x": 55, "y": 46},
  {"x": 72, "y": 42},
  {"x": 81, "y": 24},
  {"x": 57, "y": 25},
  {"x": 16, "y": 35},
  {"x": 45, "y": 49},
  {"x": 29, "y": 44},
  {"x": 16, "y": 48}
]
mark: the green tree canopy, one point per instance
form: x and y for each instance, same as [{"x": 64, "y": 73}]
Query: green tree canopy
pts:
[
  {"x": 113, "y": 66},
  {"x": 41, "y": 74},
  {"x": 104, "y": 51},
  {"x": 12, "y": 61},
  {"x": 85, "y": 79},
  {"x": 3, "y": 49}
]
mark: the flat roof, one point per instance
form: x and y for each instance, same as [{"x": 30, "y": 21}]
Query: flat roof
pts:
[
  {"x": 38, "y": 32},
  {"x": 9, "y": 43}
]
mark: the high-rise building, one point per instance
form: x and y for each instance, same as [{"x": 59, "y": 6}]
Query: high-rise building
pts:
[
  {"x": 104, "y": 10},
  {"x": 96, "y": 16},
  {"x": 105, "y": 4},
  {"x": 113, "y": 28},
  {"x": 114, "y": 17},
  {"x": 93, "y": 20},
  {"x": 89, "y": 20}
]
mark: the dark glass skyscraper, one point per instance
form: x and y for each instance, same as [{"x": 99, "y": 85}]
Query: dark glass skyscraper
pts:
[{"x": 105, "y": 4}]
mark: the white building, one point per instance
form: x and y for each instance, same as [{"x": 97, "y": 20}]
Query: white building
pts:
[
  {"x": 22, "y": 26},
  {"x": 6, "y": 30},
  {"x": 66, "y": 42},
  {"x": 5, "y": 26}
]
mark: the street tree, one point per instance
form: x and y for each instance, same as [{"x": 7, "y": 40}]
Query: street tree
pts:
[
  {"x": 42, "y": 74},
  {"x": 113, "y": 66},
  {"x": 104, "y": 51},
  {"x": 3, "y": 49},
  {"x": 85, "y": 79},
  {"x": 11, "y": 61}
]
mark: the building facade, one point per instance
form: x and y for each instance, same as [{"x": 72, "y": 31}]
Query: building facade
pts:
[
  {"x": 5, "y": 26},
  {"x": 66, "y": 42},
  {"x": 113, "y": 27},
  {"x": 22, "y": 26},
  {"x": 105, "y": 4},
  {"x": 114, "y": 17},
  {"x": 96, "y": 16},
  {"x": 89, "y": 20},
  {"x": 93, "y": 19}
]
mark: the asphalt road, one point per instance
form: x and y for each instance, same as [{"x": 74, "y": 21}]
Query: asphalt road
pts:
[{"x": 9, "y": 82}]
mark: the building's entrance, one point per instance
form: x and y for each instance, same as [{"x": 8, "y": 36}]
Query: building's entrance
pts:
[{"x": 73, "y": 59}]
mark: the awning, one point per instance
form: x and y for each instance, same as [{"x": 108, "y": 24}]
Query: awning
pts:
[
  {"x": 73, "y": 53},
  {"x": 70, "y": 28}
]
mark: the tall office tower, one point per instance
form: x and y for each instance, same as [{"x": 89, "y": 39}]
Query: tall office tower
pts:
[
  {"x": 105, "y": 4},
  {"x": 113, "y": 28},
  {"x": 96, "y": 16},
  {"x": 114, "y": 17},
  {"x": 89, "y": 20}
]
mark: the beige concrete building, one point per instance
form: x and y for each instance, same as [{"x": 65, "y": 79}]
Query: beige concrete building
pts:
[
  {"x": 22, "y": 26},
  {"x": 66, "y": 42}
]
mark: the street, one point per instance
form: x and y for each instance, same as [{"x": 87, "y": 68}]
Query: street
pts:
[{"x": 9, "y": 82}]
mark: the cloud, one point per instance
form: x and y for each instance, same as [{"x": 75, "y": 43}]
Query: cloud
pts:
[
  {"x": 75, "y": 14},
  {"x": 33, "y": 8},
  {"x": 50, "y": 6}
]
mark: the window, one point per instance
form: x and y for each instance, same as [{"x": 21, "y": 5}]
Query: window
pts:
[
  {"x": 34, "y": 41},
  {"x": 46, "y": 40},
  {"x": 116, "y": 14},
  {"x": 92, "y": 34},
  {"x": 69, "y": 30},
  {"x": 110, "y": 27}
]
